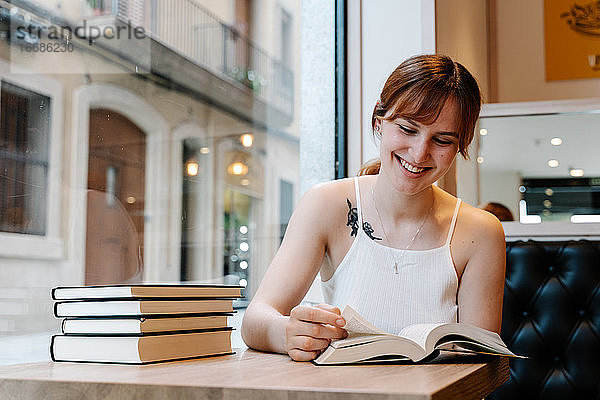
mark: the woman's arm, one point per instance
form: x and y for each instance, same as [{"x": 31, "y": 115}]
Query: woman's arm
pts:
[
  {"x": 482, "y": 283},
  {"x": 273, "y": 321}
]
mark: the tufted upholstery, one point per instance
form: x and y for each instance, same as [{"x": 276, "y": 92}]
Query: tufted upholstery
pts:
[{"x": 552, "y": 314}]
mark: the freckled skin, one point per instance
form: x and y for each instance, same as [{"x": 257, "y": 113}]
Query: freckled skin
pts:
[{"x": 419, "y": 146}]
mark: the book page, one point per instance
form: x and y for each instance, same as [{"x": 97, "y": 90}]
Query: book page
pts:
[
  {"x": 478, "y": 348},
  {"x": 465, "y": 332},
  {"x": 418, "y": 332},
  {"x": 465, "y": 336},
  {"x": 357, "y": 325}
]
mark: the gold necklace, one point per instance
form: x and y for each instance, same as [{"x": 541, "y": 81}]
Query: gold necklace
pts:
[{"x": 396, "y": 261}]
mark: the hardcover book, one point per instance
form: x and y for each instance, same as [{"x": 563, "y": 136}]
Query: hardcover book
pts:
[
  {"x": 141, "y": 349},
  {"x": 366, "y": 343},
  {"x": 145, "y": 291},
  {"x": 116, "y": 308},
  {"x": 141, "y": 325}
]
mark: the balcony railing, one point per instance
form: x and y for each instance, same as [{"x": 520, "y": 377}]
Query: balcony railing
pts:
[{"x": 199, "y": 35}]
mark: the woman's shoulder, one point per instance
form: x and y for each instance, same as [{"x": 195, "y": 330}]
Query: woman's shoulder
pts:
[
  {"x": 472, "y": 220},
  {"x": 333, "y": 200},
  {"x": 478, "y": 230},
  {"x": 478, "y": 235},
  {"x": 481, "y": 221},
  {"x": 324, "y": 193},
  {"x": 335, "y": 190}
]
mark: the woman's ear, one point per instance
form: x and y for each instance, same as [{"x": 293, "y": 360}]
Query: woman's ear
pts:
[{"x": 378, "y": 125}]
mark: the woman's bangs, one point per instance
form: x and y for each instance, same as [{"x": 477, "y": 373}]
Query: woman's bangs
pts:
[
  {"x": 425, "y": 106},
  {"x": 420, "y": 105}
]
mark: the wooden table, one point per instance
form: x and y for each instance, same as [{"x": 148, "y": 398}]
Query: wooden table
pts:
[{"x": 252, "y": 375}]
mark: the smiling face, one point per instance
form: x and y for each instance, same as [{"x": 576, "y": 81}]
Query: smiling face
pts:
[{"x": 415, "y": 155}]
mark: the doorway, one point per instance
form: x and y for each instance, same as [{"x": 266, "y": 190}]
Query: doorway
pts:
[{"x": 115, "y": 200}]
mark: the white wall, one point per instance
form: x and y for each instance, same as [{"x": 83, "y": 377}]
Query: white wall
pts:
[
  {"x": 392, "y": 30},
  {"x": 501, "y": 187},
  {"x": 467, "y": 175}
]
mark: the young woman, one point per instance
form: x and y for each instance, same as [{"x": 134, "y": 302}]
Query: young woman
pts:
[{"x": 389, "y": 243}]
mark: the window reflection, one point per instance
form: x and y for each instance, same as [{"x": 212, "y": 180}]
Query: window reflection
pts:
[
  {"x": 116, "y": 199},
  {"x": 239, "y": 210},
  {"x": 165, "y": 157},
  {"x": 24, "y": 130},
  {"x": 542, "y": 167}
]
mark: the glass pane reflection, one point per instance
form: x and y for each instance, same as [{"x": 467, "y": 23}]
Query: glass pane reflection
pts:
[
  {"x": 142, "y": 141},
  {"x": 539, "y": 159}
]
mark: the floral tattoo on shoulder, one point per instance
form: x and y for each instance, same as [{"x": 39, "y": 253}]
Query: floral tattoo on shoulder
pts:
[{"x": 352, "y": 222}]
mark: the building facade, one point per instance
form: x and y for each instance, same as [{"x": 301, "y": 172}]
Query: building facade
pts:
[{"x": 143, "y": 141}]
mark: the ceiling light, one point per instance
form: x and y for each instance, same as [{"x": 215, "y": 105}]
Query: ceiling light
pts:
[
  {"x": 579, "y": 219},
  {"x": 204, "y": 150},
  {"x": 556, "y": 141},
  {"x": 192, "y": 168},
  {"x": 483, "y": 131},
  {"x": 247, "y": 139},
  {"x": 553, "y": 163},
  {"x": 237, "y": 168},
  {"x": 549, "y": 192},
  {"x": 576, "y": 172}
]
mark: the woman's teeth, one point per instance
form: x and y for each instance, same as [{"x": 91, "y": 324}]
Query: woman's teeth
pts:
[{"x": 410, "y": 167}]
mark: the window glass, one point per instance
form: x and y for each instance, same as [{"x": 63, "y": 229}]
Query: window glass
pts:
[
  {"x": 24, "y": 144},
  {"x": 287, "y": 204},
  {"x": 141, "y": 141},
  {"x": 541, "y": 167}
]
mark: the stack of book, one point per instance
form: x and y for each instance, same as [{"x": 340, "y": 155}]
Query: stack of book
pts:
[{"x": 139, "y": 324}]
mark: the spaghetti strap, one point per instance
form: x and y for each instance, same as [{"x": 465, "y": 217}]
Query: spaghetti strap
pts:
[
  {"x": 453, "y": 223},
  {"x": 358, "y": 201}
]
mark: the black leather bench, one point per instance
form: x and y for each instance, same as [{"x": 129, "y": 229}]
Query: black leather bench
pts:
[{"x": 552, "y": 314}]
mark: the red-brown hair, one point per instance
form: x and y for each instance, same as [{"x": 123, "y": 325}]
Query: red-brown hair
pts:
[
  {"x": 501, "y": 212},
  {"x": 419, "y": 88}
]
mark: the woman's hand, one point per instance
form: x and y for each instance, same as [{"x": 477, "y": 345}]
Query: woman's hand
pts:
[{"x": 310, "y": 330}]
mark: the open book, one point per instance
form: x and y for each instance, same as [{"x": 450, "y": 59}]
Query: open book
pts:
[{"x": 367, "y": 343}]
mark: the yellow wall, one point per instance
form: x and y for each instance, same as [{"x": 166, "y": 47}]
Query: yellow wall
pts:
[{"x": 520, "y": 56}]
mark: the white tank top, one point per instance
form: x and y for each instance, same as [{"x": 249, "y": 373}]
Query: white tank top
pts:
[{"x": 423, "y": 291}]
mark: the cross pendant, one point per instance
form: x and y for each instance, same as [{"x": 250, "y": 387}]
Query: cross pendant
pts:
[{"x": 396, "y": 267}]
